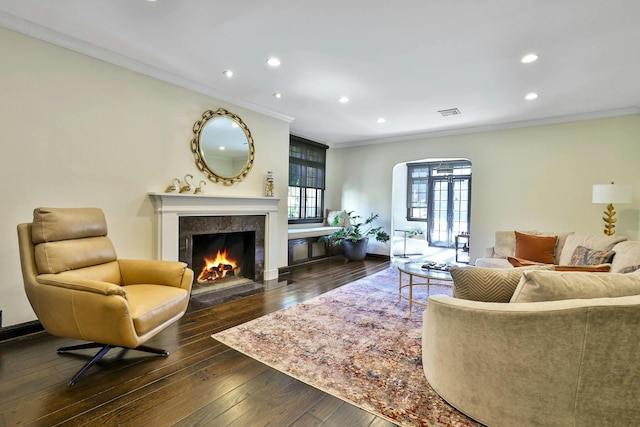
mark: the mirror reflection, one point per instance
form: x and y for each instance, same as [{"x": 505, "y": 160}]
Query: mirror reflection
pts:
[{"x": 223, "y": 146}]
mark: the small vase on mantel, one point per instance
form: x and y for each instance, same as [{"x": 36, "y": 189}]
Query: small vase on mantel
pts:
[{"x": 269, "y": 184}]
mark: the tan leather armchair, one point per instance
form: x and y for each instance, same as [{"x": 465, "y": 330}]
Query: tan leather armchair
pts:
[{"x": 79, "y": 289}]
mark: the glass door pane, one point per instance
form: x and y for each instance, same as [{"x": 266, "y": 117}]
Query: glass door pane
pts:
[{"x": 439, "y": 223}]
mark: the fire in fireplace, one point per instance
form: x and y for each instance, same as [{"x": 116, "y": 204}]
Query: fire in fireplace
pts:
[
  {"x": 217, "y": 267},
  {"x": 224, "y": 257}
]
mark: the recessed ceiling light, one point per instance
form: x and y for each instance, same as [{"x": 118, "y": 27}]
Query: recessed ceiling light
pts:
[
  {"x": 343, "y": 99},
  {"x": 529, "y": 58},
  {"x": 228, "y": 73},
  {"x": 273, "y": 61},
  {"x": 381, "y": 120},
  {"x": 277, "y": 95},
  {"x": 221, "y": 148},
  {"x": 531, "y": 96}
]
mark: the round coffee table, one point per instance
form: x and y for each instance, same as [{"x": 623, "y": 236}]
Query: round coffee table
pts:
[{"x": 432, "y": 277}]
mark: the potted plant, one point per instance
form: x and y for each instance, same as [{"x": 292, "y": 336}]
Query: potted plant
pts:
[{"x": 354, "y": 234}]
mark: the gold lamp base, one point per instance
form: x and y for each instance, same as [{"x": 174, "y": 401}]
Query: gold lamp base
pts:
[{"x": 609, "y": 220}]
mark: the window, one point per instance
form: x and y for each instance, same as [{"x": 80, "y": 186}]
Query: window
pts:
[
  {"x": 306, "y": 180},
  {"x": 438, "y": 193}
]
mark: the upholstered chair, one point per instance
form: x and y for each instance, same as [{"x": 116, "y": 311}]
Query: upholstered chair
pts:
[{"x": 78, "y": 288}]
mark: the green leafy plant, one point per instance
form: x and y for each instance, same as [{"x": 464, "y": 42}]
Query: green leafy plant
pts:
[{"x": 356, "y": 228}]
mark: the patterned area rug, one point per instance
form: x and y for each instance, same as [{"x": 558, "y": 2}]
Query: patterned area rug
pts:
[{"x": 357, "y": 343}]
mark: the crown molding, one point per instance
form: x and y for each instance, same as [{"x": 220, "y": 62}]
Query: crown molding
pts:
[
  {"x": 37, "y": 31},
  {"x": 489, "y": 128}
]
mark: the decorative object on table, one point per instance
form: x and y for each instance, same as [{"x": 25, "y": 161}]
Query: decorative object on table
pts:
[
  {"x": 188, "y": 187},
  {"x": 199, "y": 189},
  {"x": 223, "y": 146},
  {"x": 610, "y": 194},
  {"x": 269, "y": 184},
  {"x": 434, "y": 265},
  {"x": 175, "y": 184},
  {"x": 354, "y": 235}
]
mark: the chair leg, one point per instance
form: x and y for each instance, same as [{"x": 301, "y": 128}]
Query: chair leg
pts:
[
  {"x": 153, "y": 350},
  {"x": 99, "y": 355},
  {"x": 104, "y": 350},
  {"x": 80, "y": 347}
]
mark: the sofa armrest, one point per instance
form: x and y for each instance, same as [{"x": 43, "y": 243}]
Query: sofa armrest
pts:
[
  {"x": 496, "y": 362},
  {"x": 168, "y": 273},
  {"x": 489, "y": 252}
]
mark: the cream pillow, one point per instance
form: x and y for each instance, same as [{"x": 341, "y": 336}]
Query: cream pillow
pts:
[
  {"x": 488, "y": 284},
  {"x": 537, "y": 286},
  {"x": 341, "y": 215},
  {"x": 505, "y": 243}
]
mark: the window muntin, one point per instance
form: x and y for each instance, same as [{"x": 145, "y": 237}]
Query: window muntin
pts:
[{"x": 307, "y": 161}]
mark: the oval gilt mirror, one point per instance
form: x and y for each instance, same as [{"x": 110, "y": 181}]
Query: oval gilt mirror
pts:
[{"x": 223, "y": 146}]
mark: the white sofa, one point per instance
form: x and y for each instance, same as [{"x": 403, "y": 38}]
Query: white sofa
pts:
[
  {"x": 564, "y": 351},
  {"x": 627, "y": 253}
]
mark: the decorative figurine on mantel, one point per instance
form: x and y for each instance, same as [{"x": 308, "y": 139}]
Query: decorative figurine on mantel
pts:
[
  {"x": 187, "y": 188},
  {"x": 199, "y": 188},
  {"x": 270, "y": 184},
  {"x": 175, "y": 184}
]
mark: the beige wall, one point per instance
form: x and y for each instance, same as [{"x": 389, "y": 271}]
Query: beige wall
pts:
[
  {"x": 528, "y": 178},
  {"x": 77, "y": 131},
  {"x": 80, "y": 132}
]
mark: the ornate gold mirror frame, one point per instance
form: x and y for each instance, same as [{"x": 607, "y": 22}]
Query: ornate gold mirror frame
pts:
[{"x": 223, "y": 146}]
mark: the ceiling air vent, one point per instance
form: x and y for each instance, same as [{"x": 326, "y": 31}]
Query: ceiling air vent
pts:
[{"x": 449, "y": 112}]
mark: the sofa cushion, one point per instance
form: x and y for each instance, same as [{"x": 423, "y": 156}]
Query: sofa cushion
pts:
[
  {"x": 627, "y": 255},
  {"x": 597, "y": 243},
  {"x": 537, "y": 286},
  {"x": 487, "y": 284},
  {"x": 505, "y": 244},
  {"x": 562, "y": 238},
  {"x": 586, "y": 256},
  {"x": 536, "y": 248},
  {"x": 630, "y": 269}
]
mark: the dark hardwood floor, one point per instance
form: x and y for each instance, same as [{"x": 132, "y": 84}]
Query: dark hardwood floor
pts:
[{"x": 201, "y": 383}]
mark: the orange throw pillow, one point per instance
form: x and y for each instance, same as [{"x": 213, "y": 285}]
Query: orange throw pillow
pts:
[
  {"x": 519, "y": 262},
  {"x": 536, "y": 248},
  {"x": 604, "y": 268}
]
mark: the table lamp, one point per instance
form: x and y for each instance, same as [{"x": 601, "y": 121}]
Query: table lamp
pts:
[{"x": 610, "y": 194}]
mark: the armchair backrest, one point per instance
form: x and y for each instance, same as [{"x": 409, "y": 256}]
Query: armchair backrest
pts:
[
  {"x": 69, "y": 239},
  {"x": 65, "y": 239}
]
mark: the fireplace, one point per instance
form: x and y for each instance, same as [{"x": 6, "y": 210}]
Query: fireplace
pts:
[
  {"x": 223, "y": 251},
  {"x": 259, "y": 214}
]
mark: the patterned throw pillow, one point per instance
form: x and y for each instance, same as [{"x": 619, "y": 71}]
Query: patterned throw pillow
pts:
[
  {"x": 488, "y": 284},
  {"x": 586, "y": 256},
  {"x": 630, "y": 269}
]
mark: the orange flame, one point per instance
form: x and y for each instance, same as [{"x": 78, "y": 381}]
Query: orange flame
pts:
[{"x": 216, "y": 268}]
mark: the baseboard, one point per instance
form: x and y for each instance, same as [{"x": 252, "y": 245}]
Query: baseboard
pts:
[{"x": 20, "y": 329}]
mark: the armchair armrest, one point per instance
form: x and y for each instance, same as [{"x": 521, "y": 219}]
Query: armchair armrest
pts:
[
  {"x": 167, "y": 273},
  {"x": 79, "y": 283}
]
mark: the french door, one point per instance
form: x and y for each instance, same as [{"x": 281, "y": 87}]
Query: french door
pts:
[{"x": 449, "y": 209}]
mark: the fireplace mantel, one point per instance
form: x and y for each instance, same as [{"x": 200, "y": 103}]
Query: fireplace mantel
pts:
[{"x": 170, "y": 207}]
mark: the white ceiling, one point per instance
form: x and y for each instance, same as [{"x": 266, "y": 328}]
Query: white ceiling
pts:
[{"x": 402, "y": 60}]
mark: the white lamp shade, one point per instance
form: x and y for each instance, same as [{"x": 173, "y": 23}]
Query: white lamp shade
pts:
[{"x": 611, "y": 193}]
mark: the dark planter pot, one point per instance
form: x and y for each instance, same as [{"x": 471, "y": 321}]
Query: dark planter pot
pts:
[{"x": 356, "y": 251}]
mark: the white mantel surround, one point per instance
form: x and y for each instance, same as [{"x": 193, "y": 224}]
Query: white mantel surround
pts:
[{"x": 171, "y": 206}]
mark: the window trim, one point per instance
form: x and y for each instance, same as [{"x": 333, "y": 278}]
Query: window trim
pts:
[{"x": 320, "y": 150}]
